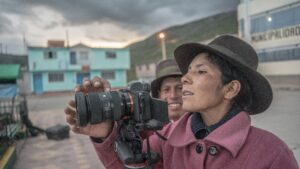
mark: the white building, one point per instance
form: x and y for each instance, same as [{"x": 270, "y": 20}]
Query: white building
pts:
[{"x": 273, "y": 28}]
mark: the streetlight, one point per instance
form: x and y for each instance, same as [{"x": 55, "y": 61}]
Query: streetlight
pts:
[{"x": 162, "y": 38}]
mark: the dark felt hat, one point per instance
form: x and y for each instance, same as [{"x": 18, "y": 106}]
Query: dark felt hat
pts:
[
  {"x": 165, "y": 68},
  {"x": 241, "y": 55}
]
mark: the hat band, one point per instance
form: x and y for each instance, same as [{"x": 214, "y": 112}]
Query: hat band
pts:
[{"x": 167, "y": 70}]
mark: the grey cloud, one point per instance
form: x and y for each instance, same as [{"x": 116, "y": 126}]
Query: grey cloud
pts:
[
  {"x": 4, "y": 24},
  {"x": 138, "y": 15},
  {"x": 52, "y": 25},
  {"x": 104, "y": 38}
]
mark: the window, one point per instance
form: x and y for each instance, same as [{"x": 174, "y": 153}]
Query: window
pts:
[
  {"x": 296, "y": 53},
  {"x": 276, "y": 20},
  {"x": 283, "y": 18},
  {"x": 297, "y": 15},
  {"x": 111, "y": 55},
  {"x": 279, "y": 55},
  {"x": 55, "y": 77},
  {"x": 50, "y": 54},
  {"x": 110, "y": 75},
  {"x": 83, "y": 58},
  {"x": 73, "y": 59}
]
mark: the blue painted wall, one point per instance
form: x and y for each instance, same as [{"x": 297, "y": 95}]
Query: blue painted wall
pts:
[
  {"x": 97, "y": 62},
  {"x": 37, "y": 62}
]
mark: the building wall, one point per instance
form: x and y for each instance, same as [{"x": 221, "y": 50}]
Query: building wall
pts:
[
  {"x": 100, "y": 61},
  {"x": 146, "y": 72},
  {"x": 94, "y": 63},
  {"x": 280, "y": 68},
  {"x": 67, "y": 84},
  {"x": 37, "y": 62},
  {"x": 261, "y": 6},
  {"x": 275, "y": 34},
  {"x": 25, "y": 83}
]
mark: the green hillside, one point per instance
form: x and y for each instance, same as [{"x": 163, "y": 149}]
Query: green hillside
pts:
[{"x": 149, "y": 50}]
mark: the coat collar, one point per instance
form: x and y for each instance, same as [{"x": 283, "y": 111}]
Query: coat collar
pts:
[{"x": 231, "y": 135}]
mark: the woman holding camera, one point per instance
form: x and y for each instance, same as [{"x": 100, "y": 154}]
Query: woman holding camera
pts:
[{"x": 221, "y": 88}]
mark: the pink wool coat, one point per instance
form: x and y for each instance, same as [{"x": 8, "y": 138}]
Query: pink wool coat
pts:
[{"x": 234, "y": 145}]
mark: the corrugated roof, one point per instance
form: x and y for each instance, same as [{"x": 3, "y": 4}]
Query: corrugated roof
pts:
[{"x": 9, "y": 71}]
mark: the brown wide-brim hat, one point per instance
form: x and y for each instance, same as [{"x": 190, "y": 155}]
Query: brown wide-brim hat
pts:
[
  {"x": 242, "y": 56},
  {"x": 165, "y": 68}
]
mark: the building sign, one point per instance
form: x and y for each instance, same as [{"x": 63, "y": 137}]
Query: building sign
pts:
[{"x": 277, "y": 34}]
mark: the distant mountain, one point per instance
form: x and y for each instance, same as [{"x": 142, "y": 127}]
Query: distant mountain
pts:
[{"x": 149, "y": 50}]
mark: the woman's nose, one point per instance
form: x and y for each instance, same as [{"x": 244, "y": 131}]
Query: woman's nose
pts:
[{"x": 185, "y": 79}]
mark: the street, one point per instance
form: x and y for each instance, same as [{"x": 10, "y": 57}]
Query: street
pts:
[
  {"x": 282, "y": 119},
  {"x": 41, "y": 153}
]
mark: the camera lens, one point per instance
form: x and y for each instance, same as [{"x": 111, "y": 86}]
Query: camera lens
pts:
[
  {"x": 97, "y": 107},
  {"x": 117, "y": 105},
  {"x": 81, "y": 107}
]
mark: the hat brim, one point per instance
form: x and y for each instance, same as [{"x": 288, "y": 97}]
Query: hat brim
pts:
[
  {"x": 156, "y": 83},
  {"x": 262, "y": 94}
]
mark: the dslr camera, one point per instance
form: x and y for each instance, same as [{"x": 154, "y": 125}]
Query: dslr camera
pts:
[{"x": 133, "y": 109}]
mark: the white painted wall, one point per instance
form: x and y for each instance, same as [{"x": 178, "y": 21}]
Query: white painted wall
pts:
[
  {"x": 260, "y": 6},
  {"x": 280, "y": 68}
]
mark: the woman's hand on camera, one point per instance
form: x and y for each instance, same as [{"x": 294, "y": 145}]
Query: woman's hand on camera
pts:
[
  {"x": 97, "y": 84},
  {"x": 101, "y": 130}
]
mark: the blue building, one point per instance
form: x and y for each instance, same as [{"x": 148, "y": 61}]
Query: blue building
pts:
[{"x": 61, "y": 68}]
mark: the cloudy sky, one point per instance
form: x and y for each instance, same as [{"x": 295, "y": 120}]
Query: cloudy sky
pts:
[{"x": 98, "y": 23}]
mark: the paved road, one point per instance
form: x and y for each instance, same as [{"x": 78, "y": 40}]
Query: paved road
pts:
[
  {"x": 41, "y": 153},
  {"x": 282, "y": 118}
]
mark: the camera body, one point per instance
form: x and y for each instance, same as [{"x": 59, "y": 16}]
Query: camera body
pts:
[{"x": 133, "y": 109}]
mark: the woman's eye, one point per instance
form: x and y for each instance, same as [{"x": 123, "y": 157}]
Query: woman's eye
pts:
[{"x": 201, "y": 71}]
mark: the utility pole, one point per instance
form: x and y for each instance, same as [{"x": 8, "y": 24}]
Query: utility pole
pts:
[
  {"x": 163, "y": 45},
  {"x": 67, "y": 38},
  {"x": 5, "y": 47},
  {"x": 24, "y": 43}
]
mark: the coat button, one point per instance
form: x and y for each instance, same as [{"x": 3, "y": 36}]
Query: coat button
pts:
[
  {"x": 199, "y": 148},
  {"x": 212, "y": 150}
]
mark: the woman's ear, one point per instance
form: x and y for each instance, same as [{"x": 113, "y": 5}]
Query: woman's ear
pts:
[{"x": 232, "y": 89}]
